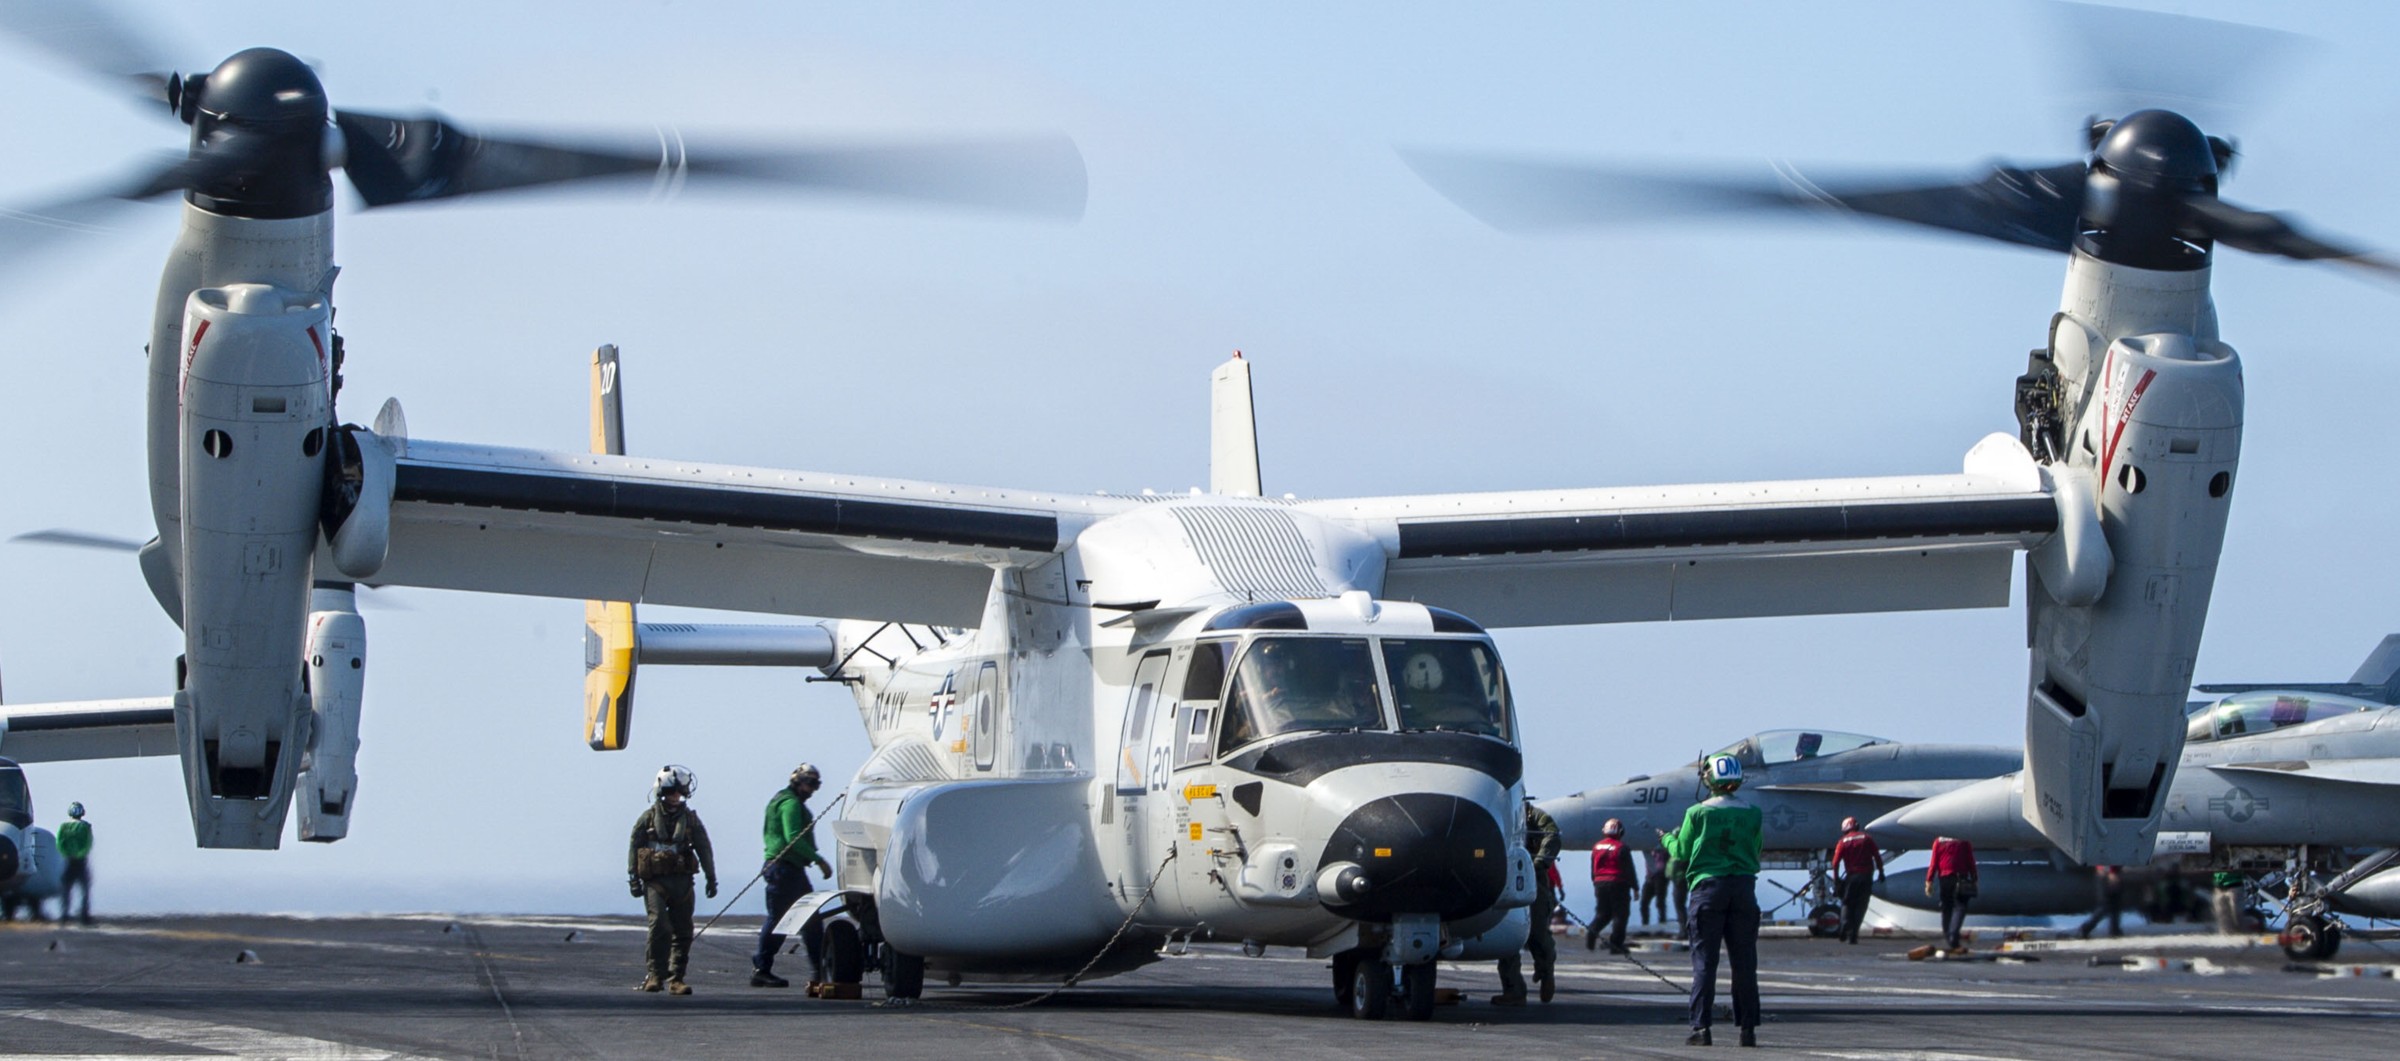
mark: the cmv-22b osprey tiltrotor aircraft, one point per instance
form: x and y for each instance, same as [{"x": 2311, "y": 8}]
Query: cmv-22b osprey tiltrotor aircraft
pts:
[{"x": 1106, "y": 723}]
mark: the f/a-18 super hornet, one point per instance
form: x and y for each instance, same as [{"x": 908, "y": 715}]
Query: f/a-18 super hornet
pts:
[
  {"x": 2267, "y": 780},
  {"x": 1803, "y": 781},
  {"x": 1105, "y": 723}
]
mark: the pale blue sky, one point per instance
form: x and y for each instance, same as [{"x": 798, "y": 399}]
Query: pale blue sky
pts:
[{"x": 1244, "y": 194}]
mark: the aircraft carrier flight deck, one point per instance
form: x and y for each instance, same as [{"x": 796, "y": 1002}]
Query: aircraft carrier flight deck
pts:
[{"x": 540, "y": 987}]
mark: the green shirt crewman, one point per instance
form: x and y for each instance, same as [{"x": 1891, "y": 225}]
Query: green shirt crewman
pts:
[
  {"x": 1541, "y": 841},
  {"x": 791, "y": 842},
  {"x": 75, "y": 846},
  {"x": 1720, "y": 840}
]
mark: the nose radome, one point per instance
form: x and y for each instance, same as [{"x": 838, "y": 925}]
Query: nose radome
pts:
[{"x": 1419, "y": 853}]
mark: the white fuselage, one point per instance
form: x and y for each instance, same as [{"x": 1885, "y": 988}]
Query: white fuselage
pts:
[{"x": 1181, "y": 812}]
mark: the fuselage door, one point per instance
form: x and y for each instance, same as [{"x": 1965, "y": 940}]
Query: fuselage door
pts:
[{"x": 1133, "y": 749}]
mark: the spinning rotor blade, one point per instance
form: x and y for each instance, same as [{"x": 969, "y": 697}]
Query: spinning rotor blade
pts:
[
  {"x": 2030, "y": 207},
  {"x": 80, "y": 540},
  {"x": 92, "y": 39},
  {"x": 402, "y": 160},
  {"x": 2260, "y": 232},
  {"x": 2120, "y": 61}
]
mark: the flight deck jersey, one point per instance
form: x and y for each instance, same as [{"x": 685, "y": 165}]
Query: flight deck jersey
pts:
[{"x": 1720, "y": 838}]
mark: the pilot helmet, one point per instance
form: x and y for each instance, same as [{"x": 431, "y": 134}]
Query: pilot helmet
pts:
[
  {"x": 1721, "y": 773},
  {"x": 673, "y": 778},
  {"x": 75, "y": 810},
  {"x": 1613, "y": 827}
]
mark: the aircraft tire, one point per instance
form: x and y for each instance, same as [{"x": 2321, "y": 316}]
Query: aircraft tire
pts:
[
  {"x": 2311, "y": 939},
  {"x": 1371, "y": 989},
  {"x": 1824, "y": 921},
  {"x": 845, "y": 955},
  {"x": 1417, "y": 990},
  {"x": 1345, "y": 973},
  {"x": 903, "y": 974}
]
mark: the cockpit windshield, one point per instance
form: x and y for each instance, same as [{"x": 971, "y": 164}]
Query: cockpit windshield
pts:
[
  {"x": 2251, "y": 713},
  {"x": 16, "y": 801},
  {"x": 1452, "y": 686},
  {"x": 1793, "y": 745},
  {"x": 1291, "y": 684}
]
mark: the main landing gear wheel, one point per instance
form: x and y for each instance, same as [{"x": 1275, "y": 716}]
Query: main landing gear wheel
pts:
[
  {"x": 845, "y": 954},
  {"x": 1416, "y": 990},
  {"x": 1370, "y": 989},
  {"x": 1345, "y": 973},
  {"x": 2311, "y": 939},
  {"x": 903, "y": 974},
  {"x": 1824, "y": 921}
]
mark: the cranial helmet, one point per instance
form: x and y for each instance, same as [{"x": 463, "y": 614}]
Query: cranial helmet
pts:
[
  {"x": 807, "y": 772},
  {"x": 1613, "y": 828},
  {"x": 673, "y": 778},
  {"x": 1849, "y": 825},
  {"x": 75, "y": 810},
  {"x": 1721, "y": 773}
]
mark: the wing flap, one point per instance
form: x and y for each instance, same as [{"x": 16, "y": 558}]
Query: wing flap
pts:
[
  {"x": 607, "y": 527},
  {"x": 1534, "y": 558},
  {"x": 88, "y": 729}
]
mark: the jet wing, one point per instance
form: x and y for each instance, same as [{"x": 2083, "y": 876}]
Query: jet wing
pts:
[
  {"x": 605, "y": 527},
  {"x": 2383, "y": 772},
  {"x": 1893, "y": 791},
  {"x": 1636, "y": 554},
  {"x": 87, "y": 729}
]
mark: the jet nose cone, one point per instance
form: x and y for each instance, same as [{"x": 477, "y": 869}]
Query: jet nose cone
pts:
[
  {"x": 1984, "y": 813},
  {"x": 1420, "y": 852}
]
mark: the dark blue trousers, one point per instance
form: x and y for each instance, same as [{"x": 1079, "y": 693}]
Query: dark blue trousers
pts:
[
  {"x": 786, "y": 883},
  {"x": 1725, "y": 910}
]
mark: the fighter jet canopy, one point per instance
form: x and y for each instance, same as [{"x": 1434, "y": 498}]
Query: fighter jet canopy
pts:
[
  {"x": 2248, "y": 714},
  {"x": 1792, "y": 745}
]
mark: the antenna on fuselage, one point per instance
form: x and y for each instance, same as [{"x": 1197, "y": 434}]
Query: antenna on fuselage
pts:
[{"x": 1233, "y": 431}]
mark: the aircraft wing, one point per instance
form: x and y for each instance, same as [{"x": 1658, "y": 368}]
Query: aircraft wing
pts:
[
  {"x": 1892, "y": 791},
  {"x": 1635, "y": 554},
  {"x": 87, "y": 729},
  {"x": 605, "y": 527},
  {"x": 2376, "y": 771}
]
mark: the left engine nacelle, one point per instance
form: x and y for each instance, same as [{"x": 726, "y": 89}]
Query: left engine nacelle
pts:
[{"x": 255, "y": 420}]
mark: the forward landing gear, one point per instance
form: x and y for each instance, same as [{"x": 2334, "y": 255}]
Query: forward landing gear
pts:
[
  {"x": 2310, "y": 938},
  {"x": 1363, "y": 984}
]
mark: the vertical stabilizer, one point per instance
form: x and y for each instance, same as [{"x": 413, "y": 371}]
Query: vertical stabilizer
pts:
[
  {"x": 2382, "y": 669},
  {"x": 1233, "y": 431},
  {"x": 608, "y": 626}
]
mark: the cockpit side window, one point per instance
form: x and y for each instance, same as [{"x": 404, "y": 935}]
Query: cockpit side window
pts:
[
  {"x": 1450, "y": 686},
  {"x": 1294, "y": 684},
  {"x": 1203, "y": 683}
]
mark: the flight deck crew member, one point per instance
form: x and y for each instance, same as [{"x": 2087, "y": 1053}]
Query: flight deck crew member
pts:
[
  {"x": 1541, "y": 840},
  {"x": 75, "y": 846},
  {"x": 1613, "y": 883},
  {"x": 1721, "y": 842},
  {"x": 669, "y": 845},
  {"x": 1952, "y": 872},
  {"x": 1654, "y": 885},
  {"x": 791, "y": 838},
  {"x": 2227, "y": 902},
  {"x": 1676, "y": 871},
  {"x": 1853, "y": 858},
  {"x": 2108, "y": 902}
]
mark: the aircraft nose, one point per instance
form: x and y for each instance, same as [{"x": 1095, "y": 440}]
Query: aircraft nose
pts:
[
  {"x": 1418, "y": 852},
  {"x": 1984, "y": 813}
]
